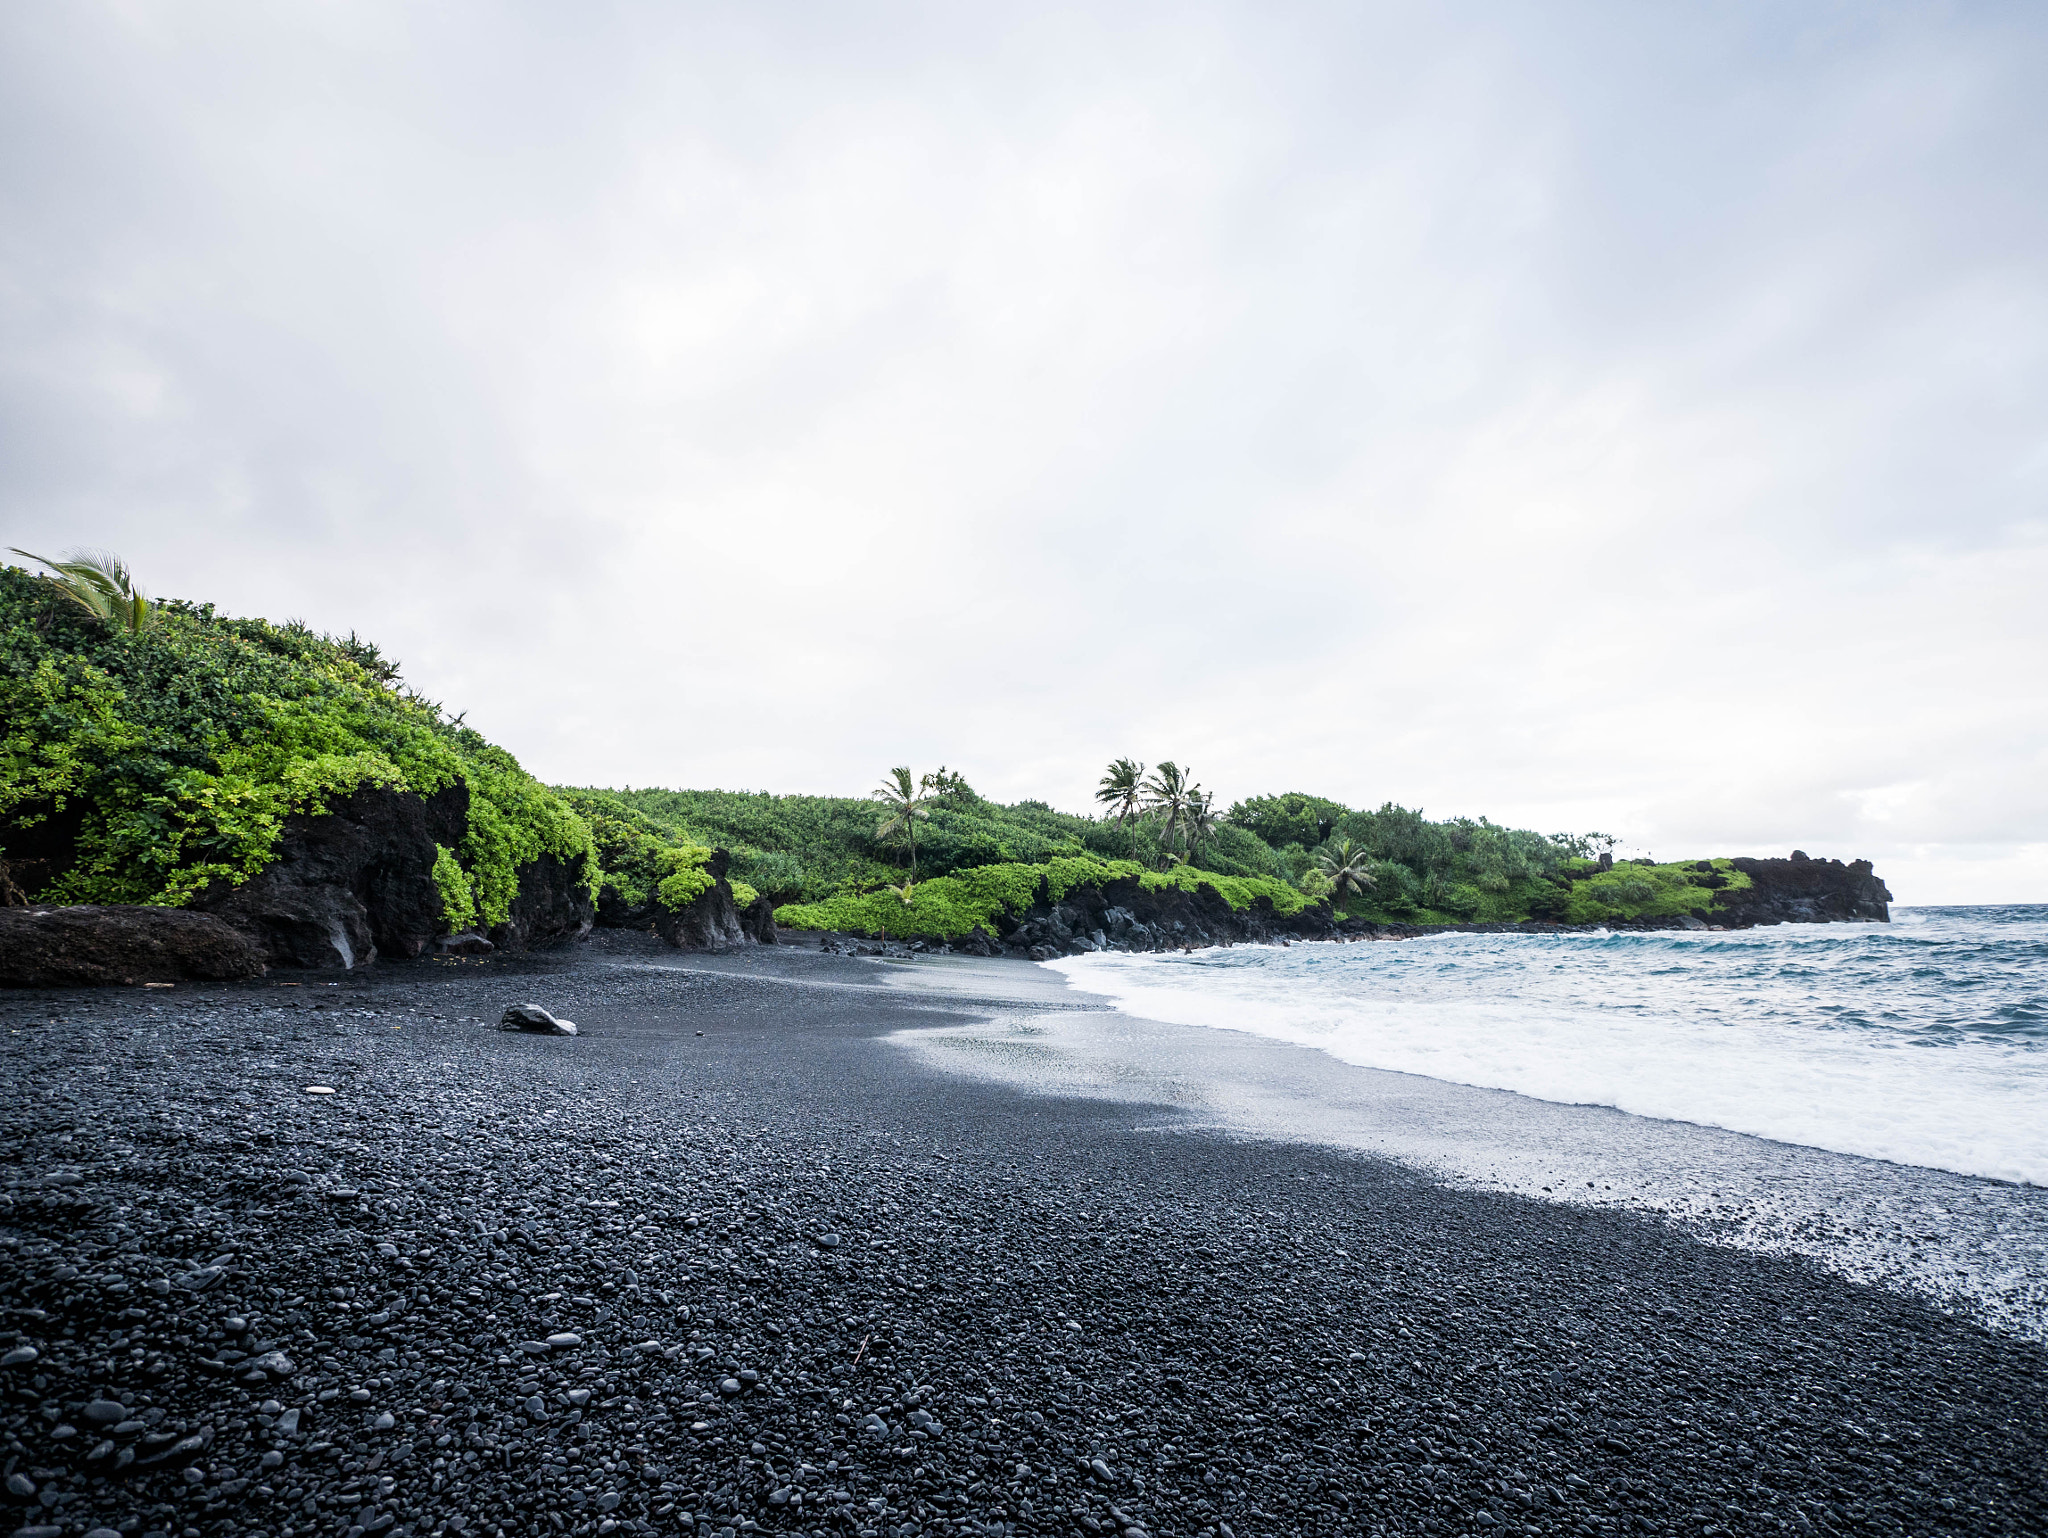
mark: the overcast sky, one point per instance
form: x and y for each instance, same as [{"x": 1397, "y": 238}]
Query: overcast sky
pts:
[{"x": 1605, "y": 416}]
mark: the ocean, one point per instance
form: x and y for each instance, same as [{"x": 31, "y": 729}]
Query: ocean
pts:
[
  {"x": 1923, "y": 1041},
  {"x": 1870, "y": 1097}
]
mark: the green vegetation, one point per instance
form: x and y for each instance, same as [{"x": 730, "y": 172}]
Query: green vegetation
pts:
[
  {"x": 642, "y": 862},
  {"x": 827, "y": 862},
  {"x": 1345, "y": 870},
  {"x": 143, "y": 759},
  {"x": 908, "y": 803},
  {"x": 1122, "y": 789},
  {"x": 947, "y": 907},
  {"x": 150, "y": 750},
  {"x": 1639, "y": 889},
  {"x": 99, "y": 582}
]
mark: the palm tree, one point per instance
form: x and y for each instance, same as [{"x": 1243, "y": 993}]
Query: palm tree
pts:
[
  {"x": 908, "y": 804},
  {"x": 1347, "y": 868},
  {"x": 99, "y": 582},
  {"x": 905, "y": 892},
  {"x": 1169, "y": 795},
  {"x": 1201, "y": 821},
  {"x": 1122, "y": 789}
]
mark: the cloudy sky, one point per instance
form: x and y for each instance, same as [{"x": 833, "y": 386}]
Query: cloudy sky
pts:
[{"x": 1588, "y": 415}]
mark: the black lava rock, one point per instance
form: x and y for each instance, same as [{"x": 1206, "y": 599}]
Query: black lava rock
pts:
[{"x": 43, "y": 947}]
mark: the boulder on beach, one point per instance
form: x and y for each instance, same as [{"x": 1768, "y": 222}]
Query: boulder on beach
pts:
[
  {"x": 531, "y": 1017},
  {"x": 48, "y": 947}
]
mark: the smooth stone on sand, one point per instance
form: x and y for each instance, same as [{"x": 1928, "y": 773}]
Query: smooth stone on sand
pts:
[{"x": 531, "y": 1017}]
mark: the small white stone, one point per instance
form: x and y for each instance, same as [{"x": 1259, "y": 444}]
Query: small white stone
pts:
[{"x": 318, "y": 1089}]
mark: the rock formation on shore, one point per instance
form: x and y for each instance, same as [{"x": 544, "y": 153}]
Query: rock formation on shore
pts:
[
  {"x": 55, "y": 947},
  {"x": 358, "y": 883},
  {"x": 712, "y": 921},
  {"x": 1803, "y": 890}
]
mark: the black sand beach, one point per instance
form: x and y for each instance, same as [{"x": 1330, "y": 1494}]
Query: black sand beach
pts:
[{"x": 799, "y": 1281}]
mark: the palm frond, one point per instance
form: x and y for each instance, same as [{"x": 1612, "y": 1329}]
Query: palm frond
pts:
[{"x": 99, "y": 582}]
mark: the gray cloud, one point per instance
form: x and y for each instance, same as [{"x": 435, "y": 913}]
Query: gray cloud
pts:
[{"x": 1593, "y": 416}]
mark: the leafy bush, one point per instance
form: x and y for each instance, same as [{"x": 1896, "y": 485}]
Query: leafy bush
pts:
[
  {"x": 143, "y": 766},
  {"x": 948, "y": 907},
  {"x": 642, "y": 861},
  {"x": 1294, "y": 818},
  {"x": 807, "y": 848}
]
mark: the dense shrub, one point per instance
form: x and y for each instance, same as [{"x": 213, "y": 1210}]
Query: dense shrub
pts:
[
  {"x": 947, "y": 907},
  {"x": 1294, "y": 818},
  {"x": 806, "y": 848},
  {"x": 141, "y": 767},
  {"x": 642, "y": 862}
]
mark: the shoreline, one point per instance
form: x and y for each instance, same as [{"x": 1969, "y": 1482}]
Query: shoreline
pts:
[
  {"x": 1274, "y": 1338},
  {"x": 1975, "y": 1245}
]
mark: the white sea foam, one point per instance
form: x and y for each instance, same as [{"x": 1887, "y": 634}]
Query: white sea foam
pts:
[{"x": 1925, "y": 1042}]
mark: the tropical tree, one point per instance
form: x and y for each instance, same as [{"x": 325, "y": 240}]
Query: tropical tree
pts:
[
  {"x": 1347, "y": 868},
  {"x": 1169, "y": 795},
  {"x": 99, "y": 582},
  {"x": 1201, "y": 821},
  {"x": 1122, "y": 789},
  {"x": 908, "y": 803},
  {"x": 905, "y": 892}
]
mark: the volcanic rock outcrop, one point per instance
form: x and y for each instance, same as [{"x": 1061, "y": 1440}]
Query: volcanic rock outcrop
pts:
[
  {"x": 48, "y": 947},
  {"x": 358, "y": 883},
  {"x": 1803, "y": 890}
]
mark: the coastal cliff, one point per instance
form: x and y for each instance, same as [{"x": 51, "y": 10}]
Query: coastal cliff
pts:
[{"x": 1802, "y": 890}]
